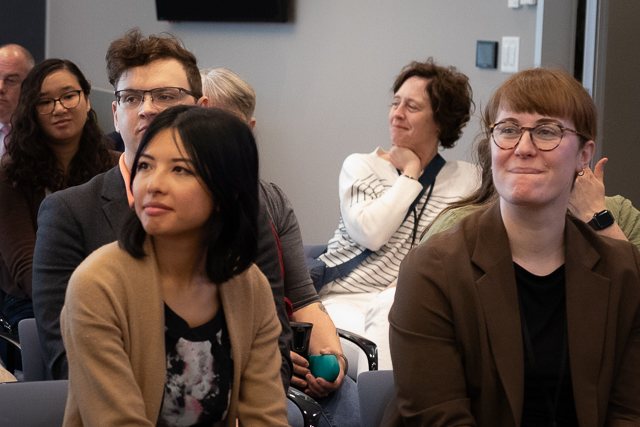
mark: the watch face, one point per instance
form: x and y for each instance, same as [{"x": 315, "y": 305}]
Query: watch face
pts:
[{"x": 602, "y": 220}]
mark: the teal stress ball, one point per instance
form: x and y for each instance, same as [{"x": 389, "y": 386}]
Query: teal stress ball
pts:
[{"x": 325, "y": 366}]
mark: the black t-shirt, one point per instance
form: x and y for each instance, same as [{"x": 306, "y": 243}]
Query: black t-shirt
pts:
[
  {"x": 543, "y": 300},
  {"x": 199, "y": 372}
]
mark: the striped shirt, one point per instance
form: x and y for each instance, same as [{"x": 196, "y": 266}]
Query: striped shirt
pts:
[{"x": 375, "y": 200}]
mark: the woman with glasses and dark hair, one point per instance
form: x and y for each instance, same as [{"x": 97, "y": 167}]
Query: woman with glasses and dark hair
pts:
[
  {"x": 55, "y": 143},
  {"x": 174, "y": 321},
  {"x": 521, "y": 314}
]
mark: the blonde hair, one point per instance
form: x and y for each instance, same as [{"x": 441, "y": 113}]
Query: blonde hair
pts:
[{"x": 228, "y": 90}]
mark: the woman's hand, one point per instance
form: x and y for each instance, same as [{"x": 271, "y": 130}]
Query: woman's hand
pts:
[
  {"x": 406, "y": 161},
  {"x": 587, "y": 197}
]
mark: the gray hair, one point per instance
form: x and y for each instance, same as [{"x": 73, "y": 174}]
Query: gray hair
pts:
[{"x": 229, "y": 91}]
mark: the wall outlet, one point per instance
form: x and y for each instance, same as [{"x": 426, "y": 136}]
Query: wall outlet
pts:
[{"x": 510, "y": 54}]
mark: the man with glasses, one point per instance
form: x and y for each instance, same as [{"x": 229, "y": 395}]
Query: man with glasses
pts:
[
  {"x": 15, "y": 64},
  {"x": 148, "y": 76}
]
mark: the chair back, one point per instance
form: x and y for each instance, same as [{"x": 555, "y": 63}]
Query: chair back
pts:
[
  {"x": 33, "y": 366},
  {"x": 33, "y": 404},
  {"x": 375, "y": 391}
]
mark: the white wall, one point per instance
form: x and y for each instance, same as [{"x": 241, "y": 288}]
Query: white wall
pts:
[{"x": 322, "y": 81}]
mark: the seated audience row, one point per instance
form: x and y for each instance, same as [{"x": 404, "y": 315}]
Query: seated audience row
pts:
[
  {"x": 150, "y": 75},
  {"x": 143, "y": 268}
]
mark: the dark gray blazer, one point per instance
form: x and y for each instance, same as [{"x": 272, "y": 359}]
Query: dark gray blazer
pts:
[{"x": 71, "y": 225}]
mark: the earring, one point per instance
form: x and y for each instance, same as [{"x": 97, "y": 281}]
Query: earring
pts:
[{"x": 581, "y": 173}]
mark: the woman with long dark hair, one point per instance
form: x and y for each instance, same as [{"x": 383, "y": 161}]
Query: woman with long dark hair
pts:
[
  {"x": 174, "y": 321},
  {"x": 55, "y": 143}
]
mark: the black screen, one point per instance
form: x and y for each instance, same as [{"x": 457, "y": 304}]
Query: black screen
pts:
[{"x": 223, "y": 10}]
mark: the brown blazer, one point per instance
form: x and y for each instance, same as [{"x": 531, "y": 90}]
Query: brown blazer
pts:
[
  {"x": 455, "y": 334},
  {"x": 113, "y": 329}
]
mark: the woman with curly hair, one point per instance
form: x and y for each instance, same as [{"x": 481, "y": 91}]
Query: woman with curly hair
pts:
[
  {"x": 387, "y": 198},
  {"x": 55, "y": 143}
]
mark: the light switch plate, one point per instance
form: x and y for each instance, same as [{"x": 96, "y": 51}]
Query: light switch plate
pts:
[
  {"x": 513, "y": 4},
  {"x": 510, "y": 54}
]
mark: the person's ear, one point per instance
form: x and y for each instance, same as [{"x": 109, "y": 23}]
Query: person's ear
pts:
[
  {"x": 252, "y": 123},
  {"x": 586, "y": 154},
  {"x": 114, "y": 106},
  {"x": 203, "y": 102}
]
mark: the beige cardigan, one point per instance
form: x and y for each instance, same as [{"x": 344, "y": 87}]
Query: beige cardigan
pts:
[{"x": 113, "y": 331}]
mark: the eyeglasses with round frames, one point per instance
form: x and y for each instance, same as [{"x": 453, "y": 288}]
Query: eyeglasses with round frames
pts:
[
  {"x": 68, "y": 100},
  {"x": 545, "y": 136},
  {"x": 163, "y": 97}
]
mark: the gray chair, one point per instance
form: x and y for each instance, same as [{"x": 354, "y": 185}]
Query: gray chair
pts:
[
  {"x": 375, "y": 391},
  {"x": 32, "y": 362},
  {"x": 33, "y": 404}
]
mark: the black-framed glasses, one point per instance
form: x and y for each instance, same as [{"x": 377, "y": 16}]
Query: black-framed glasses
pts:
[
  {"x": 163, "y": 97},
  {"x": 545, "y": 136},
  {"x": 68, "y": 100}
]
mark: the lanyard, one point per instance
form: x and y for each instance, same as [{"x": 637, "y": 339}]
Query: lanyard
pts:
[
  {"x": 416, "y": 218},
  {"x": 428, "y": 180}
]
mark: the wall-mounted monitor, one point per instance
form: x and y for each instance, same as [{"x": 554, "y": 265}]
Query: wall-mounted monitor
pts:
[{"x": 223, "y": 10}]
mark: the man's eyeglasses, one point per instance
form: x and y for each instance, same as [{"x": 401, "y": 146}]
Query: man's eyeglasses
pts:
[
  {"x": 68, "y": 100},
  {"x": 545, "y": 136},
  {"x": 162, "y": 97}
]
